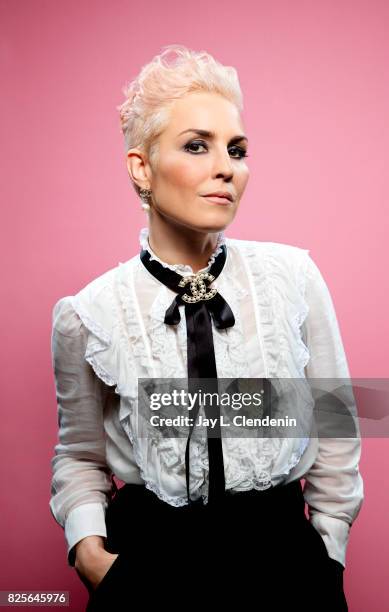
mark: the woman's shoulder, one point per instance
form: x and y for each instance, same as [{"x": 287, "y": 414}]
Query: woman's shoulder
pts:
[
  {"x": 280, "y": 248},
  {"x": 272, "y": 255},
  {"x": 90, "y": 306}
]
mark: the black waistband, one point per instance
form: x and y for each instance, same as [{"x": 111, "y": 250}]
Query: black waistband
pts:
[{"x": 283, "y": 498}]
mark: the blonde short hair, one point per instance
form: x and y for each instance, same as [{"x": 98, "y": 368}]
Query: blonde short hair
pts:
[{"x": 145, "y": 112}]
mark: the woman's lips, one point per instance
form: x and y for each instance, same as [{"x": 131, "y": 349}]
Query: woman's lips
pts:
[{"x": 218, "y": 200}]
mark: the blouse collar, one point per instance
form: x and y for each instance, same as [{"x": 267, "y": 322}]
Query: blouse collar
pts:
[{"x": 180, "y": 268}]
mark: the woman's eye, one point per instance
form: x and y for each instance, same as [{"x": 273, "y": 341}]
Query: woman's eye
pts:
[
  {"x": 194, "y": 144},
  {"x": 241, "y": 152}
]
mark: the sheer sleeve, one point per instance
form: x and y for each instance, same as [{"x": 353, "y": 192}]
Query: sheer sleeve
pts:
[
  {"x": 333, "y": 485},
  {"x": 81, "y": 479}
]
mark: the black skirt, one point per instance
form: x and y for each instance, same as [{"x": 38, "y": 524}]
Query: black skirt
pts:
[{"x": 257, "y": 549}]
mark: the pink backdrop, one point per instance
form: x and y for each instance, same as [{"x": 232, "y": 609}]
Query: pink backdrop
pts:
[{"x": 316, "y": 90}]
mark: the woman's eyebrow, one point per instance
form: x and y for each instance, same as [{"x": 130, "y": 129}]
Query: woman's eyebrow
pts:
[{"x": 208, "y": 134}]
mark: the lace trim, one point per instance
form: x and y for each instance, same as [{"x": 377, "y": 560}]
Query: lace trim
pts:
[
  {"x": 250, "y": 463},
  {"x": 232, "y": 362},
  {"x": 253, "y": 463},
  {"x": 93, "y": 347},
  {"x": 167, "y": 451},
  {"x": 89, "y": 323},
  {"x": 259, "y": 270},
  {"x": 105, "y": 352},
  {"x": 281, "y": 310},
  {"x": 280, "y": 288}
]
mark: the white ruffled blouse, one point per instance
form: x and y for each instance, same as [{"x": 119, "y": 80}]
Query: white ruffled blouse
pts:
[{"x": 112, "y": 332}]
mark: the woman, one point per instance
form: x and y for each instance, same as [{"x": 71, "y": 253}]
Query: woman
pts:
[{"x": 224, "y": 513}]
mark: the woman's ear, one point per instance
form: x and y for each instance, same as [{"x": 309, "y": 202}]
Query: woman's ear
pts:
[{"x": 138, "y": 168}]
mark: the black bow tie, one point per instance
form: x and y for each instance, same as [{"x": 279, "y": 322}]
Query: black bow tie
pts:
[{"x": 200, "y": 303}]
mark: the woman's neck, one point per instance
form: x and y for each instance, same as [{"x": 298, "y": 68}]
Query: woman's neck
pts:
[{"x": 176, "y": 244}]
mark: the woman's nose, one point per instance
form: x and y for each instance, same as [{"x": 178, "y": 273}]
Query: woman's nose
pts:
[{"x": 223, "y": 165}]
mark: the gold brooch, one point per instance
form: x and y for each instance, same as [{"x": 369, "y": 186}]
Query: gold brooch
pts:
[{"x": 198, "y": 287}]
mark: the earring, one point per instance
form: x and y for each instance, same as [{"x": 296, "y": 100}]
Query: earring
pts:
[{"x": 144, "y": 195}]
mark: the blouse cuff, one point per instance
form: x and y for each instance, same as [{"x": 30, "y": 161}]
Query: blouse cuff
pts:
[
  {"x": 82, "y": 521},
  {"x": 335, "y": 533}
]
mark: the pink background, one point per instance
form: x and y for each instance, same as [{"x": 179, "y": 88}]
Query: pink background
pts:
[{"x": 316, "y": 90}]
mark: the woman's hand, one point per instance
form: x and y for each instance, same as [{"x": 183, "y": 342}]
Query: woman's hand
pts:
[{"x": 92, "y": 561}]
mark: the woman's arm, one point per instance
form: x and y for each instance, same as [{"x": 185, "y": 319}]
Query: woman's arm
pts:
[
  {"x": 81, "y": 479},
  {"x": 334, "y": 487}
]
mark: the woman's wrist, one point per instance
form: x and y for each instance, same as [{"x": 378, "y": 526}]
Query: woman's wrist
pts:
[{"x": 89, "y": 547}]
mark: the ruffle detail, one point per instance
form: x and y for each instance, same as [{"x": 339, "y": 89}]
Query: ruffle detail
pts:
[
  {"x": 258, "y": 269},
  {"x": 123, "y": 347},
  {"x": 98, "y": 340},
  {"x": 277, "y": 273},
  {"x": 166, "y": 342},
  {"x": 180, "y": 267},
  {"x": 249, "y": 462},
  {"x": 161, "y": 460},
  {"x": 118, "y": 355},
  {"x": 95, "y": 307}
]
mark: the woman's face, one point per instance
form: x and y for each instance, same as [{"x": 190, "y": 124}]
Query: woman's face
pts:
[{"x": 192, "y": 165}]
